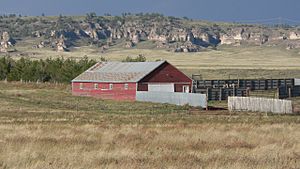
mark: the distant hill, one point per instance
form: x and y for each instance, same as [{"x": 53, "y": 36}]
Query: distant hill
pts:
[{"x": 63, "y": 33}]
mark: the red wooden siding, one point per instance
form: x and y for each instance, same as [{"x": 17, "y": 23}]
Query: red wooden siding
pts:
[
  {"x": 179, "y": 87},
  {"x": 118, "y": 91},
  {"x": 142, "y": 87},
  {"x": 166, "y": 73}
]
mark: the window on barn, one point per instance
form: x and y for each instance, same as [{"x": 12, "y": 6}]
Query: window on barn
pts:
[
  {"x": 81, "y": 86},
  {"x": 96, "y": 86},
  {"x": 126, "y": 86},
  {"x": 111, "y": 86},
  {"x": 103, "y": 87}
]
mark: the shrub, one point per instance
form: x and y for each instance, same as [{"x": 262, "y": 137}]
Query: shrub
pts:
[{"x": 140, "y": 58}]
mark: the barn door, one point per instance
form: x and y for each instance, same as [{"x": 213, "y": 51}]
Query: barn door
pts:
[
  {"x": 186, "y": 89},
  {"x": 161, "y": 87},
  {"x": 297, "y": 82}
]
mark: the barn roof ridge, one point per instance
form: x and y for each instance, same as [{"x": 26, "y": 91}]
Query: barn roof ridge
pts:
[{"x": 118, "y": 71}]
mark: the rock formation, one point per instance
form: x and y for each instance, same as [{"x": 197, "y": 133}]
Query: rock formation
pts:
[
  {"x": 227, "y": 40},
  {"x": 294, "y": 36},
  {"x": 53, "y": 34},
  {"x": 167, "y": 33},
  {"x": 6, "y": 42},
  {"x": 135, "y": 38},
  {"x": 60, "y": 45}
]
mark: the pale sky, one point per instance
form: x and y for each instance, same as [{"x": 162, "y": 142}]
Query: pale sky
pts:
[{"x": 214, "y": 10}]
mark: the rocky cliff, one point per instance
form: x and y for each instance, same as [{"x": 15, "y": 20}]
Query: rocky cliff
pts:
[{"x": 175, "y": 34}]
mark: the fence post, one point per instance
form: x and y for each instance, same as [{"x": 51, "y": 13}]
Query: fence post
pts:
[
  {"x": 220, "y": 95},
  {"x": 290, "y": 92},
  {"x": 247, "y": 92},
  {"x": 207, "y": 91},
  {"x": 234, "y": 90}
]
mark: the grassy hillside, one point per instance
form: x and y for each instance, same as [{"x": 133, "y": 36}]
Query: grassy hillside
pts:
[
  {"x": 242, "y": 62},
  {"x": 255, "y": 57},
  {"x": 105, "y": 36},
  {"x": 43, "y": 126}
]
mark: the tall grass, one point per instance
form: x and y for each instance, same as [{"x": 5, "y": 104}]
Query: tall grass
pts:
[
  {"x": 44, "y": 126},
  {"x": 160, "y": 146}
]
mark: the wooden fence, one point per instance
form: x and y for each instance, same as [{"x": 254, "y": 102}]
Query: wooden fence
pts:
[
  {"x": 192, "y": 99},
  {"x": 221, "y": 93},
  {"x": 222, "y": 89},
  {"x": 252, "y": 84},
  {"x": 255, "y": 104}
]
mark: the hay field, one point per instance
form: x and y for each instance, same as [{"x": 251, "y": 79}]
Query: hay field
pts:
[{"x": 43, "y": 126}]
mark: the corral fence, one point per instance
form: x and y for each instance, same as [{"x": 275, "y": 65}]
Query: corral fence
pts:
[
  {"x": 222, "y": 89},
  {"x": 222, "y": 93},
  {"x": 252, "y": 84},
  {"x": 256, "y": 104},
  {"x": 192, "y": 99}
]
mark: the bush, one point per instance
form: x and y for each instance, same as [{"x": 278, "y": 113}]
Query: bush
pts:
[{"x": 140, "y": 58}]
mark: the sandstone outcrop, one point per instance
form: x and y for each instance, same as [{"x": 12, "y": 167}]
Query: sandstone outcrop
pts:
[
  {"x": 294, "y": 36},
  {"x": 167, "y": 33},
  {"x": 60, "y": 44},
  {"x": 6, "y": 42}
]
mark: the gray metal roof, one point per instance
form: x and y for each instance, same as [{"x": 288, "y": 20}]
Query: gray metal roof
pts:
[{"x": 118, "y": 71}]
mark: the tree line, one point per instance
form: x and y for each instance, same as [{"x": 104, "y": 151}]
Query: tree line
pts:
[{"x": 49, "y": 70}]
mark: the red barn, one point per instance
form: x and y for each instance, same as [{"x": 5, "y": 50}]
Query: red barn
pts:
[{"x": 121, "y": 80}]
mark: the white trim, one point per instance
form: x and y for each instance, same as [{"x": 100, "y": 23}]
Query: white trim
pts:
[
  {"x": 184, "y": 83},
  {"x": 185, "y": 89},
  {"x": 126, "y": 86},
  {"x": 111, "y": 86},
  {"x": 161, "y": 87},
  {"x": 96, "y": 86},
  {"x": 136, "y": 86}
]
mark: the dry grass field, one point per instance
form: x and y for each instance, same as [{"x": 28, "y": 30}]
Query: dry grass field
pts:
[{"x": 44, "y": 126}]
